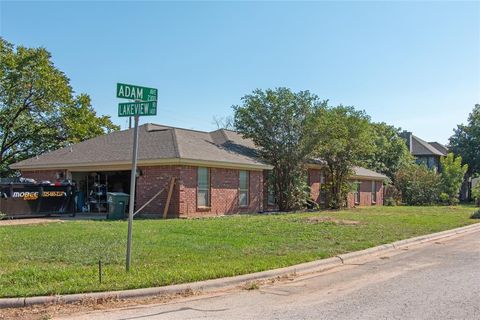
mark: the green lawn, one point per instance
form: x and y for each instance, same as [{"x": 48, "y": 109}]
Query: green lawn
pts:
[{"x": 63, "y": 258}]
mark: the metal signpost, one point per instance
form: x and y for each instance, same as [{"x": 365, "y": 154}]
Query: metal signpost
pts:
[{"x": 145, "y": 105}]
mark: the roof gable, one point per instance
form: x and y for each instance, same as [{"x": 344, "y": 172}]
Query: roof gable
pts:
[
  {"x": 440, "y": 147},
  {"x": 422, "y": 148}
]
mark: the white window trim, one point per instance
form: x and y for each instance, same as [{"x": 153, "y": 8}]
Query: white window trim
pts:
[
  {"x": 357, "y": 192},
  {"x": 247, "y": 190},
  {"x": 208, "y": 189}
]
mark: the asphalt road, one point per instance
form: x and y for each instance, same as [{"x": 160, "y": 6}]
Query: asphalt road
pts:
[{"x": 439, "y": 280}]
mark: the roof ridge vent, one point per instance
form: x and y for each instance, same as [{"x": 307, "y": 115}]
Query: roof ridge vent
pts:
[
  {"x": 151, "y": 127},
  {"x": 220, "y": 137}
]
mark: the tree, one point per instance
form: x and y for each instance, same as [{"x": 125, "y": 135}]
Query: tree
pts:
[
  {"x": 390, "y": 152},
  {"x": 276, "y": 122},
  {"x": 38, "y": 112},
  {"x": 418, "y": 184},
  {"x": 451, "y": 178},
  {"x": 224, "y": 122},
  {"x": 466, "y": 142},
  {"x": 476, "y": 193},
  {"x": 80, "y": 121},
  {"x": 342, "y": 137}
]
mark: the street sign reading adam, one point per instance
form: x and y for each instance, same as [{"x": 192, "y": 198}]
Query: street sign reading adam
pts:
[{"x": 130, "y": 91}]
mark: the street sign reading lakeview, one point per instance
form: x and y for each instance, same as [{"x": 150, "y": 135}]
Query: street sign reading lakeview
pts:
[
  {"x": 145, "y": 105},
  {"x": 130, "y": 91},
  {"x": 129, "y": 109}
]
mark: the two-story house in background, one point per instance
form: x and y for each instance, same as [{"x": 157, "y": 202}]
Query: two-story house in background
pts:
[{"x": 428, "y": 153}]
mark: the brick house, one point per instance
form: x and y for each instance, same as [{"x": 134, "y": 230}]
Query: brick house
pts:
[{"x": 215, "y": 172}]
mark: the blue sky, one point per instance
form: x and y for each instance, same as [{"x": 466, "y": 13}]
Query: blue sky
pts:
[{"x": 415, "y": 65}]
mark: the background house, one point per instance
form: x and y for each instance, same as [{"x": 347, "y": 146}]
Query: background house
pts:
[{"x": 428, "y": 153}]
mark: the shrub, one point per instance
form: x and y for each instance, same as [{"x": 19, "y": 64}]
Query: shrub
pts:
[
  {"x": 476, "y": 193},
  {"x": 451, "y": 178},
  {"x": 393, "y": 196},
  {"x": 418, "y": 185},
  {"x": 475, "y": 215},
  {"x": 390, "y": 202},
  {"x": 2, "y": 215}
]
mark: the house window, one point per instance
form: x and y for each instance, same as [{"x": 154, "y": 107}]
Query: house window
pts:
[
  {"x": 270, "y": 193},
  {"x": 323, "y": 194},
  {"x": 374, "y": 191},
  {"x": 243, "y": 188},
  {"x": 322, "y": 177},
  {"x": 203, "y": 187},
  {"x": 323, "y": 188},
  {"x": 356, "y": 192}
]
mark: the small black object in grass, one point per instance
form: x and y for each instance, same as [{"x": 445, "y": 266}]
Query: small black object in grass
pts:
[{"x": 100, "y": 271}]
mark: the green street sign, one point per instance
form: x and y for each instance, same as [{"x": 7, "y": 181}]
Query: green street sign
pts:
[
  {"x": 130, "y": 91},
  {"x": 129, "y": 109}
]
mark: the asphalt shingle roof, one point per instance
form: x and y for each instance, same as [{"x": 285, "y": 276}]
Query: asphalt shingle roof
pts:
[
  {"x": 158, "y": 142},
  {"x": 155, "y": 142},
  {"x": 422, "y": 148},
  {"x": 440, "y": 147},
  {"x": 364, "y": 172}
]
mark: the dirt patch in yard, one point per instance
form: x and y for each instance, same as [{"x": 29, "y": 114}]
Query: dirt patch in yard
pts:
[
  {"x": 315, "y": 220},
  {"x": 16, "y": 222}
]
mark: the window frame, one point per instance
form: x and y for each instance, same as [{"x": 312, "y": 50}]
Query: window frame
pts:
[
  {"x": 323, "y": 177},
  {"x": 270, "y": 192},
  {"x": 247, "y": 190},
  {"x": 208, "y": 189},
  {"x": 374, "y": 191},
  {"x": 356, "y": 194},
  {"x": 322, "y": 193}
]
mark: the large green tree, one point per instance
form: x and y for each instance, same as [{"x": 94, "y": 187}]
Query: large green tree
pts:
[
  {"x": 466, "y": 141},
  {"x": 80, "y": 121},
  {"x": 38, "y": 110},
  {"x": 276, "y": 122},
  {"x": 342, "y": 137},
  {"x": 390, "y": 152}
]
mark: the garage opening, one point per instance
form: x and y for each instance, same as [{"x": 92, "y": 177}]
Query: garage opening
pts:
[{"x": 93, "y": 187}]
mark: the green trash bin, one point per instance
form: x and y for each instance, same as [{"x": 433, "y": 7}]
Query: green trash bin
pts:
[{"x": 117, "y": 205}]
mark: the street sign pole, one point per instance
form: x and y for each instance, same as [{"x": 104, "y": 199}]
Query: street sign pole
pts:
[
  {"x": 144, "y": 104},
  {"x": 131, "y": 206}
]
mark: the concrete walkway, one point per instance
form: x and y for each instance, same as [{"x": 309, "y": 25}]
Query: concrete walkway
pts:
[
  {"x": 436, "y": 280},
  {"x": 42, "y": 220}
]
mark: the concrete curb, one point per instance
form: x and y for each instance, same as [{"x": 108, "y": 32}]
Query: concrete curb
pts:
[{"x": 230, "y": 282}]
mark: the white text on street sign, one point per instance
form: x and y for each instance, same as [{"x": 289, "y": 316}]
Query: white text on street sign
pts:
[
  {"x": 129, "y": 109},
  {"x": 130, "y": 91}
]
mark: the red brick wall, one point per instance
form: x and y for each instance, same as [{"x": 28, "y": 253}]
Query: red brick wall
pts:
[
  {"x": 314, "y": 183},
  {"x": 366, "y": 194},
  {"x": 151, "y": 181},
  {"x": 365, "y": 190},
  {"x": 224, "y": 184},
  {"x": 42, "y": 175}
]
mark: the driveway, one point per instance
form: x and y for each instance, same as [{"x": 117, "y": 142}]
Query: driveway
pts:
[{"x": 439, "y": 280}]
